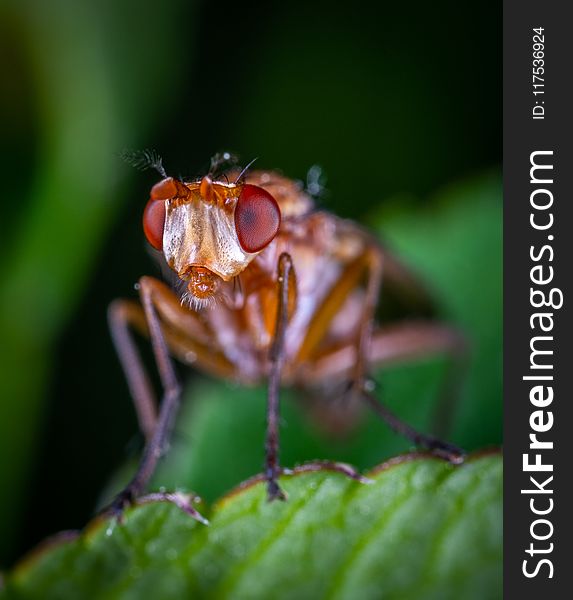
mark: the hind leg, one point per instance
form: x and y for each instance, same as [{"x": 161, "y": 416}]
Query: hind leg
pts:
[{"x": 400, "y": 343}]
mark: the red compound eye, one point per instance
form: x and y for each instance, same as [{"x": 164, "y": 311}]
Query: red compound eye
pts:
[
  {"x": 153, "y": 222},
  {"x": 257, "y": 218},
  {"x": 154, "y": 213}
]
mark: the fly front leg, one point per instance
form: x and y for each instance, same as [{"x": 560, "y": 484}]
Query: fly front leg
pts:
[
  {"x": 122, "y": 316},
  {"x": 285, "y": 305},
  {"x": 158, "y": 429}
]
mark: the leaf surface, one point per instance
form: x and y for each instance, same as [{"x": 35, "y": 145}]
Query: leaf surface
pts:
[{"x": 422, "y": 529}]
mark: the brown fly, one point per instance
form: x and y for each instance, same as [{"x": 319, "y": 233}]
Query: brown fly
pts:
[{"x": 272, "y": 289}]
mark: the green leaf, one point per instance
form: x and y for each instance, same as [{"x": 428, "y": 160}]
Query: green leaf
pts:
[{"x": 423, "y": 529}]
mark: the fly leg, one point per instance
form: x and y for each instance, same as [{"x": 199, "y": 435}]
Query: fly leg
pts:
[
  {"x": 156, "y": 428},
  {"x": 441, "y": 448},
  {"x": 366, "y": 267},
  {"x": 121, "y": 316},
  {"x": 374, "y": 283},
  {"x": 445, "y": 450},
  {"x": 371, "y": 264},
  {"x": 404, "y": 342},
  {"x": 286, "y": 299}
]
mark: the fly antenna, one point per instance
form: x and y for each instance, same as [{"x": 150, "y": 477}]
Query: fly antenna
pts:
[
  {"x": 144, "y": 159},
  {"x": 245, "y": 169}
]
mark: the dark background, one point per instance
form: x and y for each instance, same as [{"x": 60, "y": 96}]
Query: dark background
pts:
[{"x": 395, "y": 101}]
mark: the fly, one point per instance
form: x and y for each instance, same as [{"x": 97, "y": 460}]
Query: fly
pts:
[{"x": 271, "y": 289}]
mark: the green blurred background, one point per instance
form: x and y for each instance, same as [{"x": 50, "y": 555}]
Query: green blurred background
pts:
[{"x": 398, "y": 102}]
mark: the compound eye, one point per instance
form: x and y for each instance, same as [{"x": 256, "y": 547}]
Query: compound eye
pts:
[
  {"x": 154, "y": 222},
  {"x": 257, "y": 218}
]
